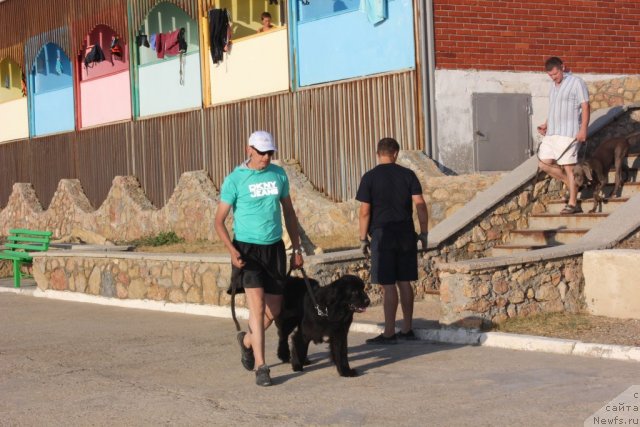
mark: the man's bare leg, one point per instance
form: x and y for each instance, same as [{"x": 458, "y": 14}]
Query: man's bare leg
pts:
[
  {"x": 266, "y": 308},
  {"x": 571, "y": 184},
  {"x": 406, "y": 302},
  {"x": 390, "y": 302},
  {"x": 553, "y": 170}
]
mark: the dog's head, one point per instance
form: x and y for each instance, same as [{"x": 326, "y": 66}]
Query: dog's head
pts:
[
  {"x": 350, "y": 292},
  {"x": 583, "y": 174}
]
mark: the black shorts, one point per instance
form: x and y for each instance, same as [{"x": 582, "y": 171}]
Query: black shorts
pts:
[
  {"x": 265, "y": 267},
  {"x": 394, "y": 256}
]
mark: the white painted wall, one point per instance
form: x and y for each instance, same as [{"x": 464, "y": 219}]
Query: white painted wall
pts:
[
  {"x": 14, "y": 120},
  {"x": 257, "y": 65},
  {"x": 454, "y": 91},
  {"x": 160, "y": 89}
]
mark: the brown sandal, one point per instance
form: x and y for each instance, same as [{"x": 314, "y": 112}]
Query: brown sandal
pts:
[{"x": 570, "y": 209}]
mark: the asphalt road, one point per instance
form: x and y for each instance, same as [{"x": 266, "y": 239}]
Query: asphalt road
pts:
[{"x": 78, "y": 364}]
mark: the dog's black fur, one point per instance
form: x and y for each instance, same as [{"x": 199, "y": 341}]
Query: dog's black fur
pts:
[{"x": 342, "y": 298}]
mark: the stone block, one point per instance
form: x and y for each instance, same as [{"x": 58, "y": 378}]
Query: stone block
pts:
[
  {"x": 610, "y": 283},
  {"x": 94, "y": 280},
  {"x": 80, "y": 282},
  {"x": 194, "y": 295},
  {"x": 176, "y": 296},
  {"x": 516, "y": 297},
  {"x": 58, "y": 279},
  {"x": 156, "y": 293},
  {"x": 547, "y": 292},
  {"x": 121, "y": 291},
  {"x": 481, "y": 305},
  {"x": 108, "y": 288},
  {"x": 137, "y": 289},
  {"x": 500, "y": 287}
]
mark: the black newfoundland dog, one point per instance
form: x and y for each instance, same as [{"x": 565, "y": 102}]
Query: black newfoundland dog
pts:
[{"x": 341, "y": 299}]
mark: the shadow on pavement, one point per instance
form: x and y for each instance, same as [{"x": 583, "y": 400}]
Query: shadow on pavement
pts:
[{"x": 375, "y": 355}]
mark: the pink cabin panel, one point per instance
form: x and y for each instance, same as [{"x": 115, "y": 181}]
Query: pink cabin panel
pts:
[{"x": 105, "y": 100}]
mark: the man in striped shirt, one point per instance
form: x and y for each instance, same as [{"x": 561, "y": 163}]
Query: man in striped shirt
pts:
[{"x": 565, "y": 128}]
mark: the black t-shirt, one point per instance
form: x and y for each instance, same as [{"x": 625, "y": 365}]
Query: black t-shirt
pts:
[{"x": 388, "y": 189}]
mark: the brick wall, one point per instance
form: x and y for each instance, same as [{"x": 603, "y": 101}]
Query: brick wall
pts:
[{"x": 518, "y": 35}]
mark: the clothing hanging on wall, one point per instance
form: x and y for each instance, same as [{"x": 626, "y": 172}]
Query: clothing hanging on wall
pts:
[
  {"x": 59, "y": 64},
  {"x": 376, "y": 10},
  {"x": 95, "y": 56},
  {"x": 152, "y": 41},
  {"x": 116, "y": 50},
  {"x": 174, "y": 42},
  {"x": 142, "y": 40},
  {"x": 219, "y": 34}
]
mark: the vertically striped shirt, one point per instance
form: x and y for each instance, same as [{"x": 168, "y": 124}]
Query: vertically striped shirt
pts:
[{"x": 565, "y": 109}]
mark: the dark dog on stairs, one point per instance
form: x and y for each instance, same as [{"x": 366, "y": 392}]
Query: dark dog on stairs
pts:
[{"x": 594, "y": 172}]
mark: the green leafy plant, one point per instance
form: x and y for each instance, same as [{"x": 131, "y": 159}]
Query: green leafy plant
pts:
[{"x": 161, "y": 239}]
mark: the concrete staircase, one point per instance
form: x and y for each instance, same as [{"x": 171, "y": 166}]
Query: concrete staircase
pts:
[{"x": 552, "y": 229}]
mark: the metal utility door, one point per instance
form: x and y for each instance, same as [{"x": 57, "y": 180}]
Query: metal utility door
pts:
[{"x": 501, "y": 130}]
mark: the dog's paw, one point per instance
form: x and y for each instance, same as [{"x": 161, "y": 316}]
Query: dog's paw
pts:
[
  {"x": 284, "y": 355},
  {"x": 349, "y": 373},
  {"x": 297, "y": 368}
]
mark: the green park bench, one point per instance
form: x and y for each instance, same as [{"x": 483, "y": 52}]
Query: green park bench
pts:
[{"x": 20, "y": 243}]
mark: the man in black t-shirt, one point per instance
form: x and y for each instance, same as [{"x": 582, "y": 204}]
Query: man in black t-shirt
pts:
[{"x": 386, "y": 194}]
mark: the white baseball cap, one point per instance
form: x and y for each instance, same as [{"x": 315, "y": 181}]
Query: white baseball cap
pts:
[{"x": 262, "y": 141}]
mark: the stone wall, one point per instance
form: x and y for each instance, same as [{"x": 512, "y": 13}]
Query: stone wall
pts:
[
  {"x": 127, "y": 214},
  {"x": 609, "y": 93},
  {"x": 171, "y": 278},
  {"x": 477, "y": 238},
  {"x": 478, "y": 298}
]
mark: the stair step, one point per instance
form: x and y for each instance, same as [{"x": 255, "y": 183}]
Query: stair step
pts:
[
  {"x": 551, "y": 221},
  {"x": 507, "y": 249},
  {"x": 545, "y": 237},
  {"x": 633, "y": 161},
  {"x": 608, "y": 206},
  {"x": 628, "y": 189},
  {"x": 631, "y": 177}
]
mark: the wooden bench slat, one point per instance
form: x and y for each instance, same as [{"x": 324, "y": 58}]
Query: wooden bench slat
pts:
[
  {"x": 24, "y": 240},
  {"x": 7, "y": 254},
  {"x": 19, "y": 239},
  {"x": 19, "y": 231},
  {"x": 27, "y": 247}
]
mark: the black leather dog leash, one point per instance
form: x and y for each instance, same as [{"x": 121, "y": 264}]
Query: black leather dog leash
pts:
[
  {"x": 556, "y": 165},
  {"x": 320, "y": 311},
  {"x": 237, "y": 277}
]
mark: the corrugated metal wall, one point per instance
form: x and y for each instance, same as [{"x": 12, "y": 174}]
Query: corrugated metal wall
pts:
[
  {"x": 339, "y": 125},
  {"x": 100, "y": 154},
  {"x": 330, "y": 129}
]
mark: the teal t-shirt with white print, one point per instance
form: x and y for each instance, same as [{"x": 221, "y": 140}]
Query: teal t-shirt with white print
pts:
[{"x": 255, "y": 197}]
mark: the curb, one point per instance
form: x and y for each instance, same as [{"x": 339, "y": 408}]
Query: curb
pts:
[{"x": 446, "y": 335}]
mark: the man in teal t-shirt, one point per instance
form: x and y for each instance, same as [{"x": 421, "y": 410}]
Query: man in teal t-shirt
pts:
[{"x": 258, "y": 192}]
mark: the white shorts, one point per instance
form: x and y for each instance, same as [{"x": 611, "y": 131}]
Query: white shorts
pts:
[{"x": 552, "y": 147}]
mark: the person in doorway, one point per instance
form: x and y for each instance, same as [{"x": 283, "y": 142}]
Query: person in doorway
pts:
[
  {"x": 258, "y": 193},
  {"x": 565, "y": 129},
  {"x": 265, "y": 20},
  {"x": 386, "y": 194}
]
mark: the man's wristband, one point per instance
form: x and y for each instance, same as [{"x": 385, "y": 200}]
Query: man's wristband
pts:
[{"x": 297, "y": 251}]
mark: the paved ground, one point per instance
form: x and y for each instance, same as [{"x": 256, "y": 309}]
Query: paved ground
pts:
[{"x": 71, "y": 364}]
